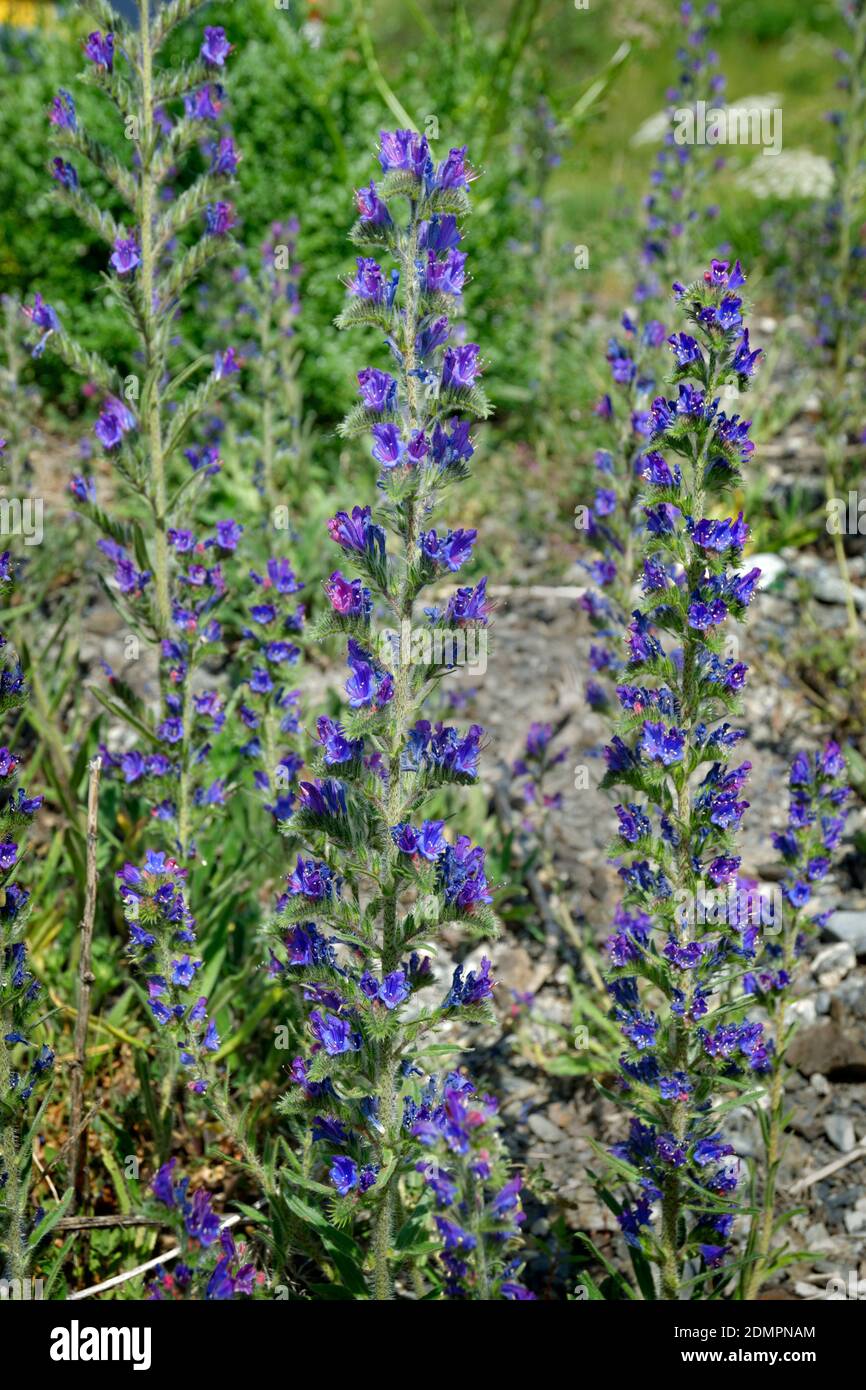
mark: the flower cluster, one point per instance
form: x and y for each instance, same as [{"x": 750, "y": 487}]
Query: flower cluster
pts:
[
  {"x": 162, "y": 942},
  {"x": 211, "y": 1265},
  {"x": 686, "y": 925},
  {"x": 175, "y": 770},
  {"x": 477, "y": 1205},
  {"x": 268, "y": 711}
]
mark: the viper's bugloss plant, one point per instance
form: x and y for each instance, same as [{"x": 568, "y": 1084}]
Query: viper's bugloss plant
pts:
[
  {"x": 166, "y": 577},
  {"x": 25, "y": 1063},
  {"x": 361, "y": 915},
  {"x": 211, "y": 1265},
  {"x": 683, "y": 929},
  {"x": 816, "y": 822},
  {"x": 477, "y": 1202}
]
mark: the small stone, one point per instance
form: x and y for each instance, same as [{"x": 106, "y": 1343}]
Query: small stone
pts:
[
  {"x": 855, "y": 1222},
  {"x": 820, "y": 1084},
  {"x": 544, "y": 1129},
  {"x": 833, "y": 963},
  {"x": 850, "y": 927},
  {"x": 804, "y": 1011},
  {"x": 806, "y": 1291},
  {"x": 818, "y": 1237},
  {"x": 771, "y": 567},
  {"x": 839, "y": 1129},
  {"x": 829, "y": 588},
  {"x": 829, "y": 1049}
]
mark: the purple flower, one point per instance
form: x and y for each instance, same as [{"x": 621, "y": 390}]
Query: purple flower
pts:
[
  {"x": 325, "y": 799},
  {"x": 378, "y": 390},
  {"x": 203, "y": 105},
  {"x": 100, "y": 50},
  {"x": 41, "y": 315},
  {"x": 225, "y": 157},
  {"x": 721, "y": 535},
  {"x": 62, "y": 111},
  {"x": 369, "y": 282},
  {"x": 387, "y": 445},
  {"x": 371, "y": 207},
  {"x": 460, "y": 875},
  {"x": 314, "y": 880},
  {"x": 446, "y": 276},
  {"x": 452, "y": 172},
  {"x": 662, "y": 744},
  {"x": 219, "y": 218},
  {"x": 65, "y": 174},
  {"x": 114, "y": 422},
  {"x": 468, "y": 606},
  {"x": 338, "y": 748},
  {"x": 215, "y": 47},
  {"x": 358, "y": 532},
  {"x": 723, "y": 869},
  {"x": 333, "y": 1033},
  {"x": 404, "y": 150},
  {"x": 460, "y": 367},
  {"x": 744, "y": 361},
  {"x": 428, "y": 842},
  {"x": 394, "y": 989},
  {"x": 344, "y": 1174},
  {"x": 126, "y": 255},
  {"x": 450, "y": 551},
  {"x": 348, "y": 597}
]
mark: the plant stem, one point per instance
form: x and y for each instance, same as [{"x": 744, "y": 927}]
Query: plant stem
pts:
[
  {"x": 152, "y": 354},
  {"x": 15, "y": 1201},
  {"x": 77, "y": 1133}
]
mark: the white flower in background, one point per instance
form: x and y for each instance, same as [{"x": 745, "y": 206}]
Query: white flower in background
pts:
[{"x": 792, "y": 174}]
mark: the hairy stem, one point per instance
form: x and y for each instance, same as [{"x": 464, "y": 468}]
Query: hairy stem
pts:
[{"x": 152, "y": 354}]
